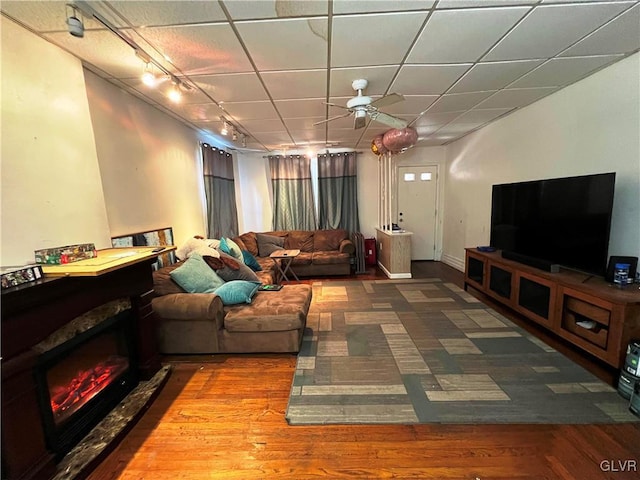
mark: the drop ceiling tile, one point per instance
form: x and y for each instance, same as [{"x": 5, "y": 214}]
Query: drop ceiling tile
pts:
[
  {"x": 159, "y": 93},
  {"x": 482, "y": 3},
  {"x": 481, "y": 116},
  {"x": 200, "y": 49},
  {"x": 48, "y": 16},
  {"x": 493, "y": 75},
  {"x": 373, "y": 39},
  {"x": 296, "y": 84},
  {"x": 142, "y": 13},
  {"x": 457, "y": 102},
  {"x": 102, "y": 49},
  {"x": 427, "y": 79},
  {"x": 262, "y": 126},
  {"x": 251, "y": 110},
  {"x": 562, "y": 71},
  {"x": 303, "y": 40},
  {"x": 273, "y": 139},
  {"x": 443, "y": 41},
  {"x": 258, "y": 9},
  {"x": 412, "y": 105},
  {"x": 233, "y": 87},
  {"x": 622, "y": 35},
  {"x": 379, "y": 78},
  {"x": 550, "y": 29},
  {"x": 312, "y": 107},
  {"x": 304, "y": 124},
  {"x": 308, "y": 137},
  {"x": 458, "y": 128},
  {"x": 431, "y": 142},
  {"x": 200, "y": 112},
  {"x": 426, "y": 130},
  {"x": 517, "y": 97},
  {"x": 367, "y": 6},
  {"x": 430, "y": 118}
]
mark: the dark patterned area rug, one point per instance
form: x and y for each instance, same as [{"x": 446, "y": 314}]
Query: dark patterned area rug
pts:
[{"x": 425, "y": 351}]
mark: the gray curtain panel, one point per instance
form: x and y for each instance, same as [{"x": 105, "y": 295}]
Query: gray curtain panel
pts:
[
  {"x": 219, "y": 188},
  {"x": 293, "y": 207},
  {"x": 338, "y": 191}
]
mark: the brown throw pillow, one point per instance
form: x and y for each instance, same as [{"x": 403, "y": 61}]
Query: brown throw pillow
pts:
[
  {"x": 234, "y": 270},
  {"x": 213, "y": 262}
]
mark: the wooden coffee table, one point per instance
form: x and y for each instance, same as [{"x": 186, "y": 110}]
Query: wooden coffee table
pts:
[{"x": 282, "y": 260}]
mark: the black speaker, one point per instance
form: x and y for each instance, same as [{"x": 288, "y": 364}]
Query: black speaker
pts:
[{"x": 633, "y": 265}]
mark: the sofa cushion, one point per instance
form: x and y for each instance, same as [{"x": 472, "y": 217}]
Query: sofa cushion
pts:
[
  {"x": 303, "y": 258},
  {"x": 299, "y": 239},
  {"x": 330, "y": 258},
  {"x": 163, "y": 284},
  {"x": 234, "y": 270},
  {"x": 248, "y": 241},
  {"x": 275, "y": 311},
  {"x": 267, "y": 244},
  {"x": 237, "y": 291},
  {"x": 195, "y": 276},
  {"x": 327, "y": 240}
]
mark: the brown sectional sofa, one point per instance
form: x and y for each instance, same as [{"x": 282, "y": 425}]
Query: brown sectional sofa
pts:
[
  {"x": 274, "y": 321},
  {"x": 322, "y": 252}
]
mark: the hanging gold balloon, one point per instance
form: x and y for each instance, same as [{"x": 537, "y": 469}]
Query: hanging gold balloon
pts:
[{"x": 377, "y": 146}]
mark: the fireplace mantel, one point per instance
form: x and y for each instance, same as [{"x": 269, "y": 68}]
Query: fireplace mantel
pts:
[{"x": 32, "y": 312}]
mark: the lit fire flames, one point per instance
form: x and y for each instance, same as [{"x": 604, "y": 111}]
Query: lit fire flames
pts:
[{"x": 65, "y": 400}]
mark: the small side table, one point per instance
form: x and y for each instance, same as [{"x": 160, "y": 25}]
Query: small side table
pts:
[{"x": 283, "y": 259}]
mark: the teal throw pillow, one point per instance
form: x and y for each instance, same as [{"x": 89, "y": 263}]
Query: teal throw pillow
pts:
[
  {"x": 195, "y": 276},
  {"x": 237, "y": 291},
  {"x": 230, "y": 247},
  {"x": 250, "y": 261}
]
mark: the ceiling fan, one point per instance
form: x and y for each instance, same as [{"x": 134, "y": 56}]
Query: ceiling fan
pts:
[{"x": 361, "y": 105}]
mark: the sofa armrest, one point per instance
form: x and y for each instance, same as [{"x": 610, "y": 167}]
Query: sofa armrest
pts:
[
  {"x": 347, "y": 246},
  {"x": 190, "y": 306}
]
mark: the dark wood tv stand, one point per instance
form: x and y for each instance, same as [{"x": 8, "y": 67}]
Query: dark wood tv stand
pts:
[{"x": 591, "y": 314}]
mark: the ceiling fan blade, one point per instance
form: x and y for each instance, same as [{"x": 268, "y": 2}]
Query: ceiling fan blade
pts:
[
  {"x": 336, "y": 105},
  {"x": 359, "y": 122},
  {"x": 387, "y": 100},
  {"x": 332, "y": 118},
  {"x": 389, "y": 120}
]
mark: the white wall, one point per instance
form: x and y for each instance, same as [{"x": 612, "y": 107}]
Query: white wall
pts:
[
  {"x": 592, "y": 126},
  {"x": 50, "y": 182},
  {"x": 149, "y": 164}
]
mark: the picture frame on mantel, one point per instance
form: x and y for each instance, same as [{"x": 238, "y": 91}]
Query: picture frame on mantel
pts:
[{"x": 151, "y": 238}]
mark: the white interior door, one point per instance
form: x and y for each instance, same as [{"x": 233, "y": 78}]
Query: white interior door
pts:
[{"x": 417, "y": 208}]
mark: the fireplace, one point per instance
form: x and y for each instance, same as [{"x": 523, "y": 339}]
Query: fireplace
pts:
[
  {"x": 84, "y": 378},
  {"x": 37, "y": 368}
]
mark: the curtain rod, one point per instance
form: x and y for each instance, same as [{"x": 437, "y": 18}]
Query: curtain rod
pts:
[{"x": 278, "y": 155}]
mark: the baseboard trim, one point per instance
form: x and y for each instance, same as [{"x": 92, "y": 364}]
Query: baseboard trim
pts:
[
  {"x": 393, "y": 276},
  {"x": 455, "y": 262}
]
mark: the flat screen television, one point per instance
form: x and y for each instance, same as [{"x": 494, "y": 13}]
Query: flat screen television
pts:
[{"x": 563, "y": 221}]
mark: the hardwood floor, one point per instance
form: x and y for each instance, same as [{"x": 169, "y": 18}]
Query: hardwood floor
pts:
[{"x": 222, "y": 417}]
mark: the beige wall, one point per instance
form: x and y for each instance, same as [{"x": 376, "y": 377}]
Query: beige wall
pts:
[
  {"x": 149, "y": 164},
  {"x": 50, "y": 181},
  {"x": 592, "y": 126}
]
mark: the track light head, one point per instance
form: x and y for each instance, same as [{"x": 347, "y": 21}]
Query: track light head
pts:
[{"x": 74, "y": 22}]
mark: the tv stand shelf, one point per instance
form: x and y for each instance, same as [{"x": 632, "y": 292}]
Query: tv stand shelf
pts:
[{"x": 593, "y": 315}]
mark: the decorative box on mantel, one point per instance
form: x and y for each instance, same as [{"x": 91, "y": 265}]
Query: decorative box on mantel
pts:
[
  {"x": 66, "y": 254},
  {"x": 30, "y": 315}
]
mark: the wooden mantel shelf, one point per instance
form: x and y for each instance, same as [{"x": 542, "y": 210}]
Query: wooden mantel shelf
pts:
[{"x": 108, "y": 260}]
